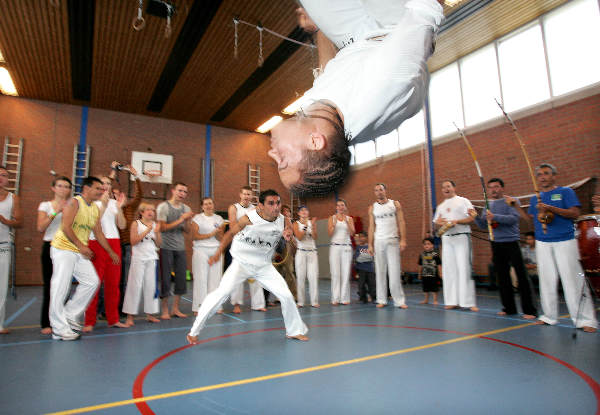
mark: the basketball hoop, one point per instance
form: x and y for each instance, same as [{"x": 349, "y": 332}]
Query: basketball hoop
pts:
[{"x": 152, "y": 174}]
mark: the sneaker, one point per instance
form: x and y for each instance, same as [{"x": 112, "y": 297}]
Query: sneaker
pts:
[
  {"x": 66, "y": 336},
  {"x": 74, "y": 324}
]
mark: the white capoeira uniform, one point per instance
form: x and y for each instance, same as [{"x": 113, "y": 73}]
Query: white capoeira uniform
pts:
[
  {"x": 142, "y": 281},
  {"x": 6, "y": 208},
  {"x": 558, "y": 256},
  {"x": 257, "y": 295},
  {"x": 387, "y": 254},
  {"x": 459, "y": 287},
  {"x": 340, "y": 262},
  {"x": 252, "y": 251},
  {"x": 379, "y": 77},
  {"x": 206, "y": 277},
  {"x": 307, "y": 266}
]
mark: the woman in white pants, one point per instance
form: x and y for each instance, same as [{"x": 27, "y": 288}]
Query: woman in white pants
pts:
[
  {"x": 307, "y": 262},
  {"x": 207, "y": 231},
  {"x": 340, "y": 227},
  {"x": 142, "y": 278}
]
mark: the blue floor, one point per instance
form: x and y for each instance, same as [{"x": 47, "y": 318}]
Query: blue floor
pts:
[{"x": 359, "y": 360}]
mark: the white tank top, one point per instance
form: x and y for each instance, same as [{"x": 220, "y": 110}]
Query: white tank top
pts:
[
  {"x": 207, "y": 224},
  {"x": 108, "y": 220},
  {"x": 386, "y": 226},
  {"x": 6, "y": 207},
  {"x": 145, "y": 249},
  {"x": 255, "y": 244},
  {"x": 54, "y": 226},
  {"x": 241, "y": 211},
  {"x": 308, "y": 241},
  {"x": 341, "y": 233}
]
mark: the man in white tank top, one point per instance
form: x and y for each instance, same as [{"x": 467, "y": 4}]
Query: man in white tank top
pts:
[
  {"x": 257, "y": 296},
  {"x": 387, "y": 238},
  {"x": 255, "y": 238},
  {"x": 10, "y": 217}
]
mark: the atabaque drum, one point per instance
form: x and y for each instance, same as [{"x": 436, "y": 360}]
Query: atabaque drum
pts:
[{"x": 588, "y": 239}]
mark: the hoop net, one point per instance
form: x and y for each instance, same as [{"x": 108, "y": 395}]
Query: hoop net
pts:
[{"x": 153, "y": 174}]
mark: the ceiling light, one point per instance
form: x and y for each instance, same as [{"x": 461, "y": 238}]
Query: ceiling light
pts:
[
  {"x": 294, "y": 106},
  {"x": 7, "y": 87},
  {"x": 1, "y": 57},
  {"x": 273, "y": 121},
  {"x": 451, "y": 3}
]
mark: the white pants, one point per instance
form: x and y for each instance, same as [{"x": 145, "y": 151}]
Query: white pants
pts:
[
  {"x": 206, "y": 277},
  {"x": 307, "y": 267},
  {"x": 459, "y": 287},
  {"x": 340, "y": 263},
  {"x": 562, "y": 258},
  {"x": 66, "y": 265},
  {"x": 141, "y": 283},
  {"x": 269, "y": 278},
  {"x": 4, "y": 274},
  {"x": 257, "y": 295},
  {"x": 387, "y": 261}
]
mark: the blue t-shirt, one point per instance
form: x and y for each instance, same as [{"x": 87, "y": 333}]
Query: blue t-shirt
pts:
[{"x": 561, "y": 228}]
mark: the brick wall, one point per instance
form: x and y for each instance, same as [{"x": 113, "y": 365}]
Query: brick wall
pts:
[
  {"x": 567, "y": 136},
  {"x": 51, "y": 130}
]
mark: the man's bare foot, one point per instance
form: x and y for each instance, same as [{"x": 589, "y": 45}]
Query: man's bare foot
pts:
[
  {"x": 178, "y": 314},
  {"x": 424, "y": 302},
  {"x": 119, "y": 324},
  {"x": 259, "y": 309},
  {"x": 435, "y": 302},
  {"x": 236, "y": 309},
  {"x": 152, "y": 319},
  {"x": 540, "y": 323},
  {"x": 191, "y": 339},
  {"x": 404, "y": 306},
  {"x": 88, "y": 329},
  {"x": 165, "y": 317},
  {"x": 380, "y": 305},
  {"x": 300, "y": 337},
  {"x": 333, "y": 303},
  {"x": 474, "y": 309},
  {"x": 346, "y": 303},
  {"x": 450, "y": 307},
  {"x": 501, "y": 313},
  {"x": 316, "y": 305},
  {"x": 46, "y": 330},
  {"x": 528, "y": 316},
  {"x": 588, "y": 329},
  {"x": 270, "y": 304},
  {"x": 218, "y": 312},
  {"x": 300, "y": 305},
  {"x": 6, "y": 331}
]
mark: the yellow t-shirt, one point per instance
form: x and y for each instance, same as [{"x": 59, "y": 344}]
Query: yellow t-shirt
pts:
[{"x": 83, "y": 223}]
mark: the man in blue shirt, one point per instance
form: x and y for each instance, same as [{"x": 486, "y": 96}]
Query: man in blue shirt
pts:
[
  {"x": 558, "y": 254},
  {"x": 506, "y": 250}
]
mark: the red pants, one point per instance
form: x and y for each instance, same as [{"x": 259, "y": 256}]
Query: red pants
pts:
[{"x": 110, "y": 274}]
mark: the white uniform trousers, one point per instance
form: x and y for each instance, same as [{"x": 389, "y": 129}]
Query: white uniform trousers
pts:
[
  {"x": 562, "y": 258},
  {"x": 387, "y": 262},
  {"x": 206, "y": 277},
  {"x": 4, "y": 274},
  {"x": 340, "y": 264},
  {"x": 257, "y": 295},
  {"x": 459, "y": 287},
  {"x": 141, "y": 283},
  {"x": 66, "y": 265},
  {"x": 269, "y": 278},
  {"x": 307, "y": 267}
]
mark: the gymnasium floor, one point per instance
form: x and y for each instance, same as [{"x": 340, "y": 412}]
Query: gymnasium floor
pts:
[{"x": 423, "y": 360}]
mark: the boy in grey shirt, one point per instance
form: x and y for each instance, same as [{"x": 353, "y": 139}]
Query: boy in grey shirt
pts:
[{"x": 174, "y": 219}]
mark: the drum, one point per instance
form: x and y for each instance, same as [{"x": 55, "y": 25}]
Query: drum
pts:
[{"x": 588, "y": 239}]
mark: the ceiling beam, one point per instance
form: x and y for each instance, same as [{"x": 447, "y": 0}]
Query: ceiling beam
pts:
[{"x": 81, "y": 41}]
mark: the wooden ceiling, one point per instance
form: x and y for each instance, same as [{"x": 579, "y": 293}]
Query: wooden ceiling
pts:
[{"x": 86, "y": 52}]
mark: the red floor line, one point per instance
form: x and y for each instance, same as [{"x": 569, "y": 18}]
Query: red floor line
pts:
[{"x": 144, "y": 408}]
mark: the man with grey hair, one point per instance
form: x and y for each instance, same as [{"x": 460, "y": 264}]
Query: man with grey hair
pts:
[{"x": 557, "y": 252}]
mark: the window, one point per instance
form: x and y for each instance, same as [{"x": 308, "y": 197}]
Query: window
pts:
[
  {"x": 523, "y": 69},
  {"x": 412, "y": 131},
  {"x": 571, "y": 34},
  {"x": 352, "y": 162},
  {"x": 364, "y": 152},
  {"x": 480, "y": 83},
  {"x": 445, "y": 101},
  {"x": 387, "y": 143}
]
